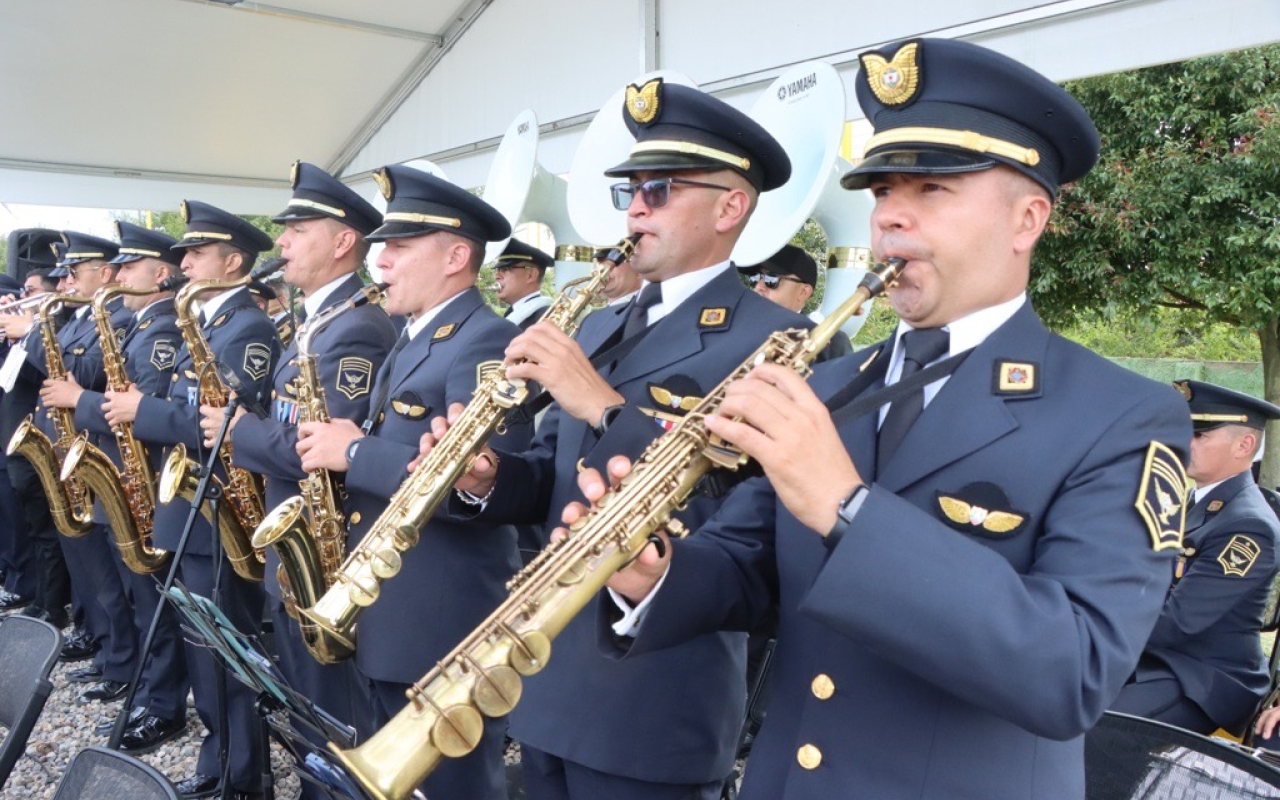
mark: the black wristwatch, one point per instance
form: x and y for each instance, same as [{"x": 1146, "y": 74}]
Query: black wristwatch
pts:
[
  {"x": 606, "y": 419},
  {"x": 845, "y": 513}
]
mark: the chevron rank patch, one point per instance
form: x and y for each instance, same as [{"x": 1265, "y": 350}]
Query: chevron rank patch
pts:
[
  {"x": 1239, "y": 555},
  {"x": 486, "y": 368},
  {"x": 257, "y": 360},
  {"x": 164, "y": 355},
  {"x": 1161, "y": 491},
  {"x": 981, "y": 509},
  {"x": 355, "y": 377}
]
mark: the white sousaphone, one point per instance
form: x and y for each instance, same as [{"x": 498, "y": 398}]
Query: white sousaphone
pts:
[
  {"x": 523, "y": 191},
  {"x": 606, "y": 143},
  {"x": 369, "y": 190},
  {"x": 804, "y": 109}
]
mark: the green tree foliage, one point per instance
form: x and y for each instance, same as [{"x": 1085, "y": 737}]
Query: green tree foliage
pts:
[{"x": 1181, "y": 210}]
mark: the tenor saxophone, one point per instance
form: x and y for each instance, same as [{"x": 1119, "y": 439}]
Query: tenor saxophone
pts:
[
  {"x": 128, "y": 494},
  {"x": 70, "y": 503},
  {"x": 377, "y": 557},
  {"x": 309, "y": 531},
  {"x": 482, "y": 676},
  {"x": 242, "y": 508}
]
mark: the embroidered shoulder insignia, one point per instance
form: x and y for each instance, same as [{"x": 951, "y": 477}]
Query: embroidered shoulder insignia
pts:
[
  {"x": 894, "y": 81},
  {"x": 1016, "y": 378},
  {"x": 444, "y": 332},
  {"x": 1160, "y": 491},
  {"x": 257, "y": 360},
  {"x": 163, "y": 355},
  {"x": 643, "y": 102},
  {"x": 1214, "y": 506},
  {"x": 355, "y": 377},
  {"x": 713, "y": 318},
  {"x": 1239, "y": 555},
  {"x": 486, "y": 368}
]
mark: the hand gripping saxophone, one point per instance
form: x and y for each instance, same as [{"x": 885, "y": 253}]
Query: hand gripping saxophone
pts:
[
  {"x": 70, "y": 503},
  {"x": 241, "y": 510},
  {"x": 128, "y": 495},
  {"x": 377, "y": 557},
  {"x": 312, "y": 546},
  {"x": 482, "y": 676}
]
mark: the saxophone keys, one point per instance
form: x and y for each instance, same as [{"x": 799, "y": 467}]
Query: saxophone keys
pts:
[
  {"x": 363, "y": 591},
  {"x": 530, "y": 652},
  {"x": 676, "y": 529},
  {"x": 385, "y": 563},
  {"x": 573, "y": 574},
  {"x": 497, "y": 690},
  {"x": 457, "y": 731}
]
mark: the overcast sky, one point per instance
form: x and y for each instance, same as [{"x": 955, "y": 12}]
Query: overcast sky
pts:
[{"x": 94, "y": 221}]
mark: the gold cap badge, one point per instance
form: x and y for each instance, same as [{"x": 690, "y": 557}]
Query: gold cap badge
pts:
[
  {"x": 643, "y": 101},
  {"x": 383, "y": 179},
  {"x": 293, "y": 174},
  {"x": 893, "y": 82}
]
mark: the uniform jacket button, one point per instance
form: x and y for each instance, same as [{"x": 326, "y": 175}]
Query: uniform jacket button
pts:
[
  {"x": 809, "y": 756},
  {"x": 823, "y": 687}
]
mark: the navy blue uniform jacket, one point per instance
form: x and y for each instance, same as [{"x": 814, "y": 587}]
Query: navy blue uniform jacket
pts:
[
  {"x": 348, "y": 354},
  {"x": 956, "y": 661},
  {"x": 1208, "y": 635},
  {"x": 670, "y": 716},
  {"x": 457, "y": 573}
]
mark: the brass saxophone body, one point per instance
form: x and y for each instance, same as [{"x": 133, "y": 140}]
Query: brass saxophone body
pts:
[
  {"x": 377, "y": 557},
  {"x": 70, "y": 503},
  {"x": 241, "y": 509},
  {"x": 482, "y": 676},
  {"x": 127, "y": 494},
  {"x": 309, "y": 531}
]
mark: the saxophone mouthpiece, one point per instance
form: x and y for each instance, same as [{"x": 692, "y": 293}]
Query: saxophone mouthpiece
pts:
[{"x": 173, "y": 283}]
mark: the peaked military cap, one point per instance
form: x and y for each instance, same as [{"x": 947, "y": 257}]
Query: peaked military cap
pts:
[
  {"x": 419, "y": 203},
  {"x": 944, "y": 106},
  {"x": 9, "y": 285},
  {"x": 207, "y": 224},
  {"x": 1213, "y": 406},
  {"x": 318, "y": 194},
  {"x": 790, "y": 260},
  {"x": 137, "y": 243},
  {"x": 81, "y": 247},
  {"x": 519, "y": 254},
  {"x": 678, "y": 127},
  {"x": 260, "y": 289}
]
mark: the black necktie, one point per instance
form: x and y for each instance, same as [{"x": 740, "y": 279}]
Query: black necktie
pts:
[
  {"x": 507, "y": 313},
  {"x": 383, "y": 381},
  {"x": 921, "y": 347},
  {"x": 638, "y": 316}
]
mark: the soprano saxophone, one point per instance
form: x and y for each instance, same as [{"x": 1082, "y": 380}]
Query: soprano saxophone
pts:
[
  {"x": 70, "y": 503},
  {"x": 242, "y": 506},
  {"x": 128, "y": 494},
  {"x": 482, "y": 676},
  {"x": 312, "y": 545},
  {"x": 377, "y": 557}
]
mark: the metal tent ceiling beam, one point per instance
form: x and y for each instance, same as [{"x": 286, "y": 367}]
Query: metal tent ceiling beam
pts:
[{"x": 322, "y": 19}]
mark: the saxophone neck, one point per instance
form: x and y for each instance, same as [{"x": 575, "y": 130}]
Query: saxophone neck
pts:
[
  {"x": 187, "y": 295},
  {"x": 366, "y": 295},
  {"x": 878, "y": 279}
]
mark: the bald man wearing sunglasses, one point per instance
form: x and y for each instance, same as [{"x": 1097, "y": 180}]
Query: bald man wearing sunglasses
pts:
[{"x": 651, "y": 728}]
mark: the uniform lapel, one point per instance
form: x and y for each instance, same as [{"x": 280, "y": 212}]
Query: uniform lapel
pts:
[
  {"x": 967, "y": 415},
  {"x": 456, "y": 314},
  {"x": 859, "y": 434},
  {"x": 1223, "y": 493}
]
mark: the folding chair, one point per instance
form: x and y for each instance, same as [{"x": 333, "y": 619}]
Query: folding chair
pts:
[{"x": 28, "y": 650}]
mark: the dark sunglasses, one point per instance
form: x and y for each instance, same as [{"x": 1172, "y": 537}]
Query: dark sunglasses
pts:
[
  {"x": 770, "y": 281},
  {"x": 656, "y": 191}
]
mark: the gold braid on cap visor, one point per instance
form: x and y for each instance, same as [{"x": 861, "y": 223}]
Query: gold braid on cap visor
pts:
[{"x": 966, "y": 140}]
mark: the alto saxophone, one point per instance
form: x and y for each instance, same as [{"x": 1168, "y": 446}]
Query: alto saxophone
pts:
[
  {"x": 242, "y": 508},
  {"x": 70, "y": 503},
  {"x": 377, "y": 557},
  {"x": 482, "y": 676},
  {"x": 309, "y": 531},
  {"x": 128, "y": 494}
]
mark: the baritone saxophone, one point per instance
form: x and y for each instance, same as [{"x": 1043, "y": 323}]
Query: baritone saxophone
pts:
[
  {"x": 377, "y": 557},
  {"x": 482, "y": 676}
]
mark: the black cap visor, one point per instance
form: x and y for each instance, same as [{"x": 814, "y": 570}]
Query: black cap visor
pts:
[
  {"x": 659, "y": 162},
  {"x": 915, "y": 161},
  {"x": 408, "y": 230}
]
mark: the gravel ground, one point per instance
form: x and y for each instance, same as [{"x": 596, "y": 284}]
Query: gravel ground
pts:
[{"x": 65, "y": 729}]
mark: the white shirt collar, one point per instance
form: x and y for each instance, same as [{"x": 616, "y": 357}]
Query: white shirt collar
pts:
[
  {"x": 315, "y": 302},
  {"x": 214, "y": 304},
  {"x": 415, "y": 327},
  {"x": 681, "y": 287},
  {"x": 626, "y": 298},
  {"x": 527, "y": 306},
  {"x": 967, "y": 332},
  {"x": 1201, "y": 491}
]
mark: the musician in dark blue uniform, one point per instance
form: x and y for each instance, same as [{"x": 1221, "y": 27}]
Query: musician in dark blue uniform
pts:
[
  {"x": 323, "y": 246},
  {"x": 665, "y": 725},
  {"x": 518, "y": 272},
  {"x": 456, "y": 574},
  {"x": 217, "y": 246},
  {"x": 1203, "y": 668},
  {"x": 966, "y": 578},
  {"x": 149, "y": 344}
]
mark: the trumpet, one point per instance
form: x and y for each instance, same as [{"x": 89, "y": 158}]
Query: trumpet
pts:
[
  {"x": 482, "y": 677},
  {"x": 377, "y": 558}
]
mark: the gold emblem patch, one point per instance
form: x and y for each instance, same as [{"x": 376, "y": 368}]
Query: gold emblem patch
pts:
[
  {"x": 713, "y": 317},
  {"x": 1160, "y": 493},
  {"x": 1214, "y": 506},
  {"x": 964, "y": 513},
  {"x": 1183, "y": 388},
  {"x": 1017, "y": 377},
  {"x": 895, "y": 81},
  {"x": 444, "y": 332},
  {"x": 407, "y": 408},
  {"x": 664, "y": 397},
  {"x": 146, "y": 324},
  {"x": 1239, "y": 555},
  {"x": 186, "y": 212},
  {"x": 355, "y": 377},
  {"x": 293, "y": 174},
  {"x": 643, "y": 101},
  {"x": 383, "y": 179}
]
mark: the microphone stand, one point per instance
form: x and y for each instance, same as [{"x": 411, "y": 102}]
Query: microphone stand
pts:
[{"x": 206, "y": 488}]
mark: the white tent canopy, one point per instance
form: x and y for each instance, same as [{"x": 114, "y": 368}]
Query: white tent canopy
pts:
[{"x": 141, "y": 103}]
